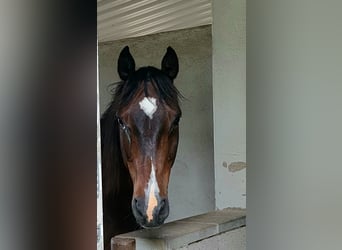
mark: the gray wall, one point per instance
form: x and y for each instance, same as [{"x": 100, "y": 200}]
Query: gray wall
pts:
[
  {"x": 191, "y": 188},
  {"x": 229, "y": 98}
]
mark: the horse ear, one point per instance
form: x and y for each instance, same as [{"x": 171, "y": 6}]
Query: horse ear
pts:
[
  {"x": 126, "y": 64},
  {"x": 169, "y": 63}
]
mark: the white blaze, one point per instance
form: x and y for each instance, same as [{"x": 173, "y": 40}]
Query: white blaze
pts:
[
  {"x": 149, "y": 106},
  {"x": 150, "y": 193}
]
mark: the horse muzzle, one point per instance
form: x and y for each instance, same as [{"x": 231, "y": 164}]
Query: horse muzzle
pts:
[{"x": 150, "y": 214}]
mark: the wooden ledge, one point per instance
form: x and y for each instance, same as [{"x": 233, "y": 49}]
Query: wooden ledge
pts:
[{"x": 183, "y": 232}]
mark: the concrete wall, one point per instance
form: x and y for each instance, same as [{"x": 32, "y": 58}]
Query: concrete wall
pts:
[
  {"x": 229, "y": 96},
  {"x": 191, "y": 188}
]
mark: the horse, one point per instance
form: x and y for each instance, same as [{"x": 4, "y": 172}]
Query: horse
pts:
[{"x": 139, "y": 140}]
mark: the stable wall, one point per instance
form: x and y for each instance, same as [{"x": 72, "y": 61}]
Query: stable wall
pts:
[
  {"x": 229, "y": 102},
  {"x": 191, "y": 188}
]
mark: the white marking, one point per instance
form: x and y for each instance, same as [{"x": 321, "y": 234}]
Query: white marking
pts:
[
  {"x": 149, "y": 106},
  {"x": 151, "y": 191}
]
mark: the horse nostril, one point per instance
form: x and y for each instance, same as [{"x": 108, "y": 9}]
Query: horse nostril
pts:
[
  {"x": 163, "y": 210},
  {"x": 138, "y": 207},
  {"x": 162, "y": 204}
]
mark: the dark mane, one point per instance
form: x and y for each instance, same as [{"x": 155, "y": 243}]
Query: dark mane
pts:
[{"x": 112, "y": 163}]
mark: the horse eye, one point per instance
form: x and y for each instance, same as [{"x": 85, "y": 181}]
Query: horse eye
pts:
[
  {"x": 121, "y": 123},
  {"x": 125, "y": 128},
  {"x": 176, "y": 121},
  {"x": 174, "y": 124}
]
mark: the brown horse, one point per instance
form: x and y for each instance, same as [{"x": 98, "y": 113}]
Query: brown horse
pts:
[{"x": 139, "y": 133}]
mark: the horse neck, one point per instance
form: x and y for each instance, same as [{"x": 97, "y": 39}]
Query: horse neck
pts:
[{"x": 116, "y": 179}]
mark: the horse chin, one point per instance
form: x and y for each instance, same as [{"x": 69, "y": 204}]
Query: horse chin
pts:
[{"x": 151, "y": 227}]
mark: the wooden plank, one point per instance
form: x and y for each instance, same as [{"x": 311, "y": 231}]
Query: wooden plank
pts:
[
  {"x": 122, "y": 243},
  {"x": 186, "y": 231}
]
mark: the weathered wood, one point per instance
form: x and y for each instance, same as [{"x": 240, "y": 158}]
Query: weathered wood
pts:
[
  {"x": 181, "y": 233},
  {"x": 118, "y": 243}
]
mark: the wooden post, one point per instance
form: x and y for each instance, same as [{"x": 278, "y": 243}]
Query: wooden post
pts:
[{"x": 122, "y": 244}]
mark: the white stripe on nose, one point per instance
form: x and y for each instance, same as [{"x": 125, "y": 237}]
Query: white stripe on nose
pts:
[
  {"x": 149, "y": 106},
  {"x": 151, "y": 193}
]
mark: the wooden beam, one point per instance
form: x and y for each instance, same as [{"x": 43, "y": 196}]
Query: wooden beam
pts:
[{"x": 122, "y": 243}]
